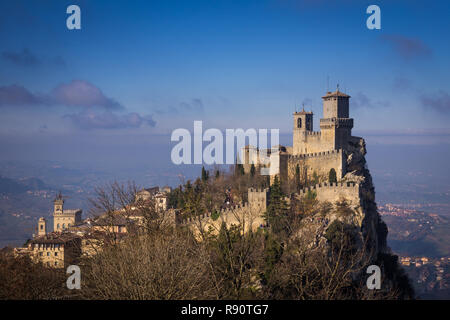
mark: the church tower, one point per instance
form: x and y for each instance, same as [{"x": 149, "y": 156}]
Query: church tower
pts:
[
  {"x": 42, "y": 226},
  {"x": 58, "y": 204},
  {"x": 303, "y": 123},
  {"x": 58, "y": 210},
  {"x": 336, "y": 126}
]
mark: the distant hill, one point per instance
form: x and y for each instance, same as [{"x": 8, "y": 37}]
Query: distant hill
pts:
[
  {"x": 11, "y": 186},
  {"x": 33, "y": 183},
  {"x": 8, "y": 185}
]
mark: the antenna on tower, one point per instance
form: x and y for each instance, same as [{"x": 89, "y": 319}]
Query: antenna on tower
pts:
[
  {"x": 328, "y": 83},
  {"x": 337, "y": 87}
]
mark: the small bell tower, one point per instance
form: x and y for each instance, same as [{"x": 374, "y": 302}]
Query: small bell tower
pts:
[
  {"x": 42, "y": 226},
  {"x": 303, "y": 123}
]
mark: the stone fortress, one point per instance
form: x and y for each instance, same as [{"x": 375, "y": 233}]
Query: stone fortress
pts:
[
  {"x": 314, "y": 151},
  {"x": 313, "y": 155}
]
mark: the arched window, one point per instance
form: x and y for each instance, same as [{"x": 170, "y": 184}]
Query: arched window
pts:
[
  {"x": 299, "y": 122},
  {"x": 57, "y": 226},
  {"x": 64, "y": 225}
]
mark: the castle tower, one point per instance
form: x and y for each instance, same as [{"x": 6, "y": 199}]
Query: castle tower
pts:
[
  {"x": 257, "y": 198},
  {"x": 249, "y": 156},
  {"x": 336, "y": 126},
  {"x": 303, "y": 123},
  {"x": 42, "y": 226}
]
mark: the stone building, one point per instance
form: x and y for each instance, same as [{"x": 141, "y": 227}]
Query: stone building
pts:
[
  {"x": 313, "y": 152},
  {"x": 161, "y": 202},
  {"x": 42, "y": 226},
  {"x": 64, "y": 218},
  {"x": 156, "y": 194},
  {"x": 56, "y": 250},
  {"x": 147, "y": 193}
]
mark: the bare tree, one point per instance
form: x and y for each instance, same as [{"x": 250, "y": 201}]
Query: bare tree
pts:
[{"x": 164, "y": 265}]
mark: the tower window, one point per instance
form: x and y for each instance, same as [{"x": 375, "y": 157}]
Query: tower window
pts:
[{"x": 299, "y": 122}]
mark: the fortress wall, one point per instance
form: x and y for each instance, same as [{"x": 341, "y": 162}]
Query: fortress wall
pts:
[
  {"x": 319, "y": 162},
  {"x": 258, "y": 197},
  {"x": 334, "y": 192},
  {"x": 250, "y": 215}
]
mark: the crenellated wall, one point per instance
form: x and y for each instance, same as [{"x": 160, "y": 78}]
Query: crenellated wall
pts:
[
  {"x": 333, "y": 192},
  {"x": 308, "y": 142},
  {"x": 248, "y": 215},
  {"x": 319, "y": 162}
]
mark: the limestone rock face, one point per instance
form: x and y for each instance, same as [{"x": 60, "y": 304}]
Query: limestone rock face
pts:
[
  {"x": 372, "y": 227},
  {"x": 368, "y": 226}
]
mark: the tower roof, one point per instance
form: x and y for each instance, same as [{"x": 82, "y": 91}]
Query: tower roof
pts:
[
  {"x": 336, "y": 93},
  {"x": 303, "y": 112},
  {"x": 59, "y": 197}
]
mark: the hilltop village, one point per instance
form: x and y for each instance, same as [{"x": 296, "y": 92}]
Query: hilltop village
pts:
[
  {"x": 71, "y": 237},
  {"x": 326, "y": 165}
]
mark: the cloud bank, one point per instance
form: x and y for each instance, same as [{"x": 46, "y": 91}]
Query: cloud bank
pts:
[
  {"x": 24, "y": 58},
  {"x": 88, "y": 119},
  {"x": 95, "y": 110},
  {"x": 361, "y": 100},
  {"x": 439, "y": 102},
  {"x": 407, "y": 48}
]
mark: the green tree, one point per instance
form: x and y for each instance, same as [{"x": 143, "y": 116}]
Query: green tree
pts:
[
  {"x": 252, "y": 170},
  {"x": 297, "y": 178},
  {"x": 205, "y": 175},
  {"x": 175, "y": 198},
  {"x": 315, "y": 178},
  {"x": 332, "y": 177},
  {"x": 239, "y": 169},
  {"x": 277, "y": 213},
  {"x": 273, "y": 251}
]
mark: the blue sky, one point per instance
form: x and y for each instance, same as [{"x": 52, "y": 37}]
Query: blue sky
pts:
[{"x": 139, "y": 69}]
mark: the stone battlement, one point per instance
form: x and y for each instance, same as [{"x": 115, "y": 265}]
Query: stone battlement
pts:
[
  {"x": 256, "y": 190},
  {"x": 325, "y": 185},
  {"x": 313, "y": 133},
  {"x": 340, "y": 122},
  {"x": 332, "y": 192},
  {"x": 316, "y": 154},
  {"x": 223, "y": 211}
]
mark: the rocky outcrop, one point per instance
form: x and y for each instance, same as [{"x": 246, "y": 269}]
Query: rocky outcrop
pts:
[{"x": 364, "y": 218}]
